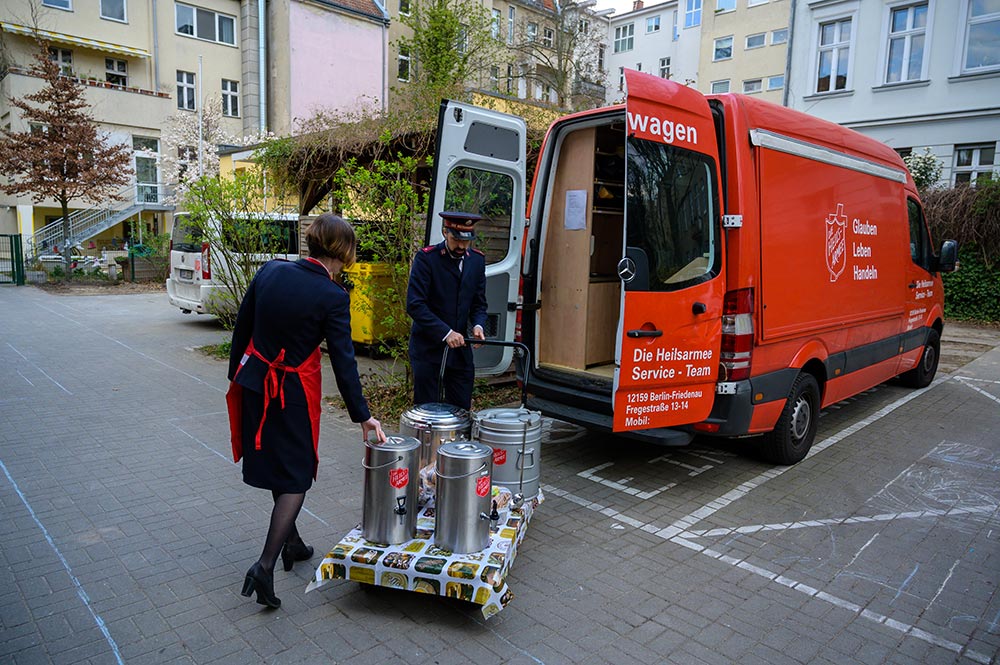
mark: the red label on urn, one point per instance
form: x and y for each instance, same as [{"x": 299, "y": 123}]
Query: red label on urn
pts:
[
  {"x": 483, "y": 486},
  {"x": 398, "y": 478}
]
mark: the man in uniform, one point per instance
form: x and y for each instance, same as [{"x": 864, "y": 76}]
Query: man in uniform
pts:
[{"x": 446, "y": 294}]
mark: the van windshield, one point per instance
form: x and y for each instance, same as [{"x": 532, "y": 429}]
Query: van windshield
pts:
[
  {"x": 670, "y": 212},
  {"x": 185, "y": 235}
]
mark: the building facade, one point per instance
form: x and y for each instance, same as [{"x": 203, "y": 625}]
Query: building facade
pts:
[
  {"x": 744, "y": 47},
  {"x": 910, "y": 73},
  {"x": 661, "y": 39}
]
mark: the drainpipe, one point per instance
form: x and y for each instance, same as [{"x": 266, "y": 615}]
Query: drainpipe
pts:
[
  {"x": 788, "y": 52},
  {"x": 262, "y": 62},
  {"x": 156, "y": 50},
  {"x": 385, "y": 68}
]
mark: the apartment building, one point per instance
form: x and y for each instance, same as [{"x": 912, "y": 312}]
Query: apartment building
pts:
[
  {"x": 744, "y": 47},
  {"x": 144, "y": 62},
  {"x": 910, "y": 73},
  {"x": 661, "y": 39}
]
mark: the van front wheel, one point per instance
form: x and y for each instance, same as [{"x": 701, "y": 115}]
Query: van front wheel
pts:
[
  {"x": 922, "y": 375},
  {"x": 795, "y": 430}
]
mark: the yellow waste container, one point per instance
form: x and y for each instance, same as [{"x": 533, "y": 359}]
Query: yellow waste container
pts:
[{"x": 367, "y": 281}]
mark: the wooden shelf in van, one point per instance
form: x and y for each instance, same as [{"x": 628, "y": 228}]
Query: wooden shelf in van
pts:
[{"x": 608, "y": 211}]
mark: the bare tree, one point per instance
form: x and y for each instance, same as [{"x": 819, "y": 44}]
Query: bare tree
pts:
[{"x": 62, "y": 155}]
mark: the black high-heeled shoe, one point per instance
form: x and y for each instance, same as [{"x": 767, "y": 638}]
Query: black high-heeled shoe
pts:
[
  {"x": 293, "y": 552},
  {"x": 262, "y": 582}
]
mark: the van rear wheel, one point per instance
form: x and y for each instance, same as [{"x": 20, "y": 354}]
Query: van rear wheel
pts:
[
  {"x": 793, "y": 435},
  {"x": 922, "y": 375}
]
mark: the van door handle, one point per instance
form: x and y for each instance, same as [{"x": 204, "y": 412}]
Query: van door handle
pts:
[
  {"x": 912, "y": 285},
  {"x": 644, "y": 333},
  {"x": 699, "y": 308}
]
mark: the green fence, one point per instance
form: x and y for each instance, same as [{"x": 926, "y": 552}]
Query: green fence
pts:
[{"x": 11, "y": 260}]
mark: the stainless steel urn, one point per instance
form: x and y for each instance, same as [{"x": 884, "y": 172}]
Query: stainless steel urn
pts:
[
  {"x": 389, "y": 512},
  {"x": 463, "y": 498},
  {"x": 515, "y": 435},
  {"x": 433, "y": 424}
]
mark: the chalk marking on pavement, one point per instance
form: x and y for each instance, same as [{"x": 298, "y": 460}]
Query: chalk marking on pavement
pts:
[
  {"x": 965, "y": 383},
  {"x": 742, "y": 564},
  {"x": 39, "y": 369},
  {"x": 25, "y": 378},
  {"x": 136, "y": 351},
  {"x": 972, "y": 378},
  {"x": 905, "y": 584},
  {"x": 863, "y": 548},
  {"x": 76, "y": 582},
  {"x": 856, "y": 519},
  {"x": 941, "y": 588}
]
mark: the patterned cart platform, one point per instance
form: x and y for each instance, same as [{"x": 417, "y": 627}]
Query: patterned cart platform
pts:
[{"x": 419, "y": 565}]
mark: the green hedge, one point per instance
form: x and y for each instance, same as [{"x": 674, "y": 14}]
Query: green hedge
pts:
[{"x": 973, "y": 291}]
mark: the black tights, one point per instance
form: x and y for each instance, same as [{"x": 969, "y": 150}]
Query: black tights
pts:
[{"x": 282, "y": 528}]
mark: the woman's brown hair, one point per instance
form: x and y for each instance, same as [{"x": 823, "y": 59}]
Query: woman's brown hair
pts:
[{"x": 330, "y": 235}]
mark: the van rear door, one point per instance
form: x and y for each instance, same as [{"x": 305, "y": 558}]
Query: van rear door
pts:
[
  {"x": 479, "y": 167},
  {"x": 669, "y": 332}
]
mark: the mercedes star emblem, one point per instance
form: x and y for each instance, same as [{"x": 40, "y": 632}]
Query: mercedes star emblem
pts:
[{"x": 626, "y": 269}]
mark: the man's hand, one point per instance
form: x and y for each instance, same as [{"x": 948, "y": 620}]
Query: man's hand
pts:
[
  {"x": 372, "y": 425},
  {"x": 477, "y": 332},
  {"x": 454, "y": 340}
]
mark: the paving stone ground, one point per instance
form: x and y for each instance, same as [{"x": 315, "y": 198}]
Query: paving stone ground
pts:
[{"x": 125, "y": 528}]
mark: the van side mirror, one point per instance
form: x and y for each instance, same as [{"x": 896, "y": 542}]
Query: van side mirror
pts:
[{"x": 947, "y": 260}]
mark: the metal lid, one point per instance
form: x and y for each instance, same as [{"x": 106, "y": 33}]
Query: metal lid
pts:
[
  {"x": 435, "y": 415},
  {"x": 395, "y": 443},
  {"x": 464, "y": 450},
  {"x": 506, "y": 418}
]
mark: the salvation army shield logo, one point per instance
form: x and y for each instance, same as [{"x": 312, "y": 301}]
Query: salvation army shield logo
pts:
[
  {"x": 399, "y": 477},
  {"x": 483, "y": 486},
  {"x": 499, "y": 456},
  {"x": 836, "y": 242}
]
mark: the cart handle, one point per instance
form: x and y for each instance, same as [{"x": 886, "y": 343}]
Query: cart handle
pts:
[
  {"x": 464, "y": 475},
  {"x": 381, "y": 466},
  {"x": 524, "y": 354}
]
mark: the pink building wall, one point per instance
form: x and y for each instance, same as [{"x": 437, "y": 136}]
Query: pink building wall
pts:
[{"x": 336, "y": 62}]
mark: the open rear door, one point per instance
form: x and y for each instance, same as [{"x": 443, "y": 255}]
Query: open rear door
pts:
[
  {"x": 479, "y": 167},
  {"x": 669, "y": 333}
]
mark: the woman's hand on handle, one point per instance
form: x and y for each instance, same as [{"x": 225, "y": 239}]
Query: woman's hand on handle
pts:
[{"x": 372, "y": 425}]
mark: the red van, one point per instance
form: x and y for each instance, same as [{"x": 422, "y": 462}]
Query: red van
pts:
[{"x": 697, "y": 264}]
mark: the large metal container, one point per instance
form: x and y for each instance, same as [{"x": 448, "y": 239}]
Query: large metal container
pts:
[
  {"x": 392, "y": 481},
  {"x": 515, "y": 435},
  {"x": 463, "y": 496},
  {"x": 433, "y": 424}
]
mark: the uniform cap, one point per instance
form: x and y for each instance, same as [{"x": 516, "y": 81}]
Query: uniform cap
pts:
[{"x": 460, "y": 224}]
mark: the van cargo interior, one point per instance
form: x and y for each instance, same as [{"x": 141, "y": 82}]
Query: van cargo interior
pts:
[{"x": 580, "y": 291}]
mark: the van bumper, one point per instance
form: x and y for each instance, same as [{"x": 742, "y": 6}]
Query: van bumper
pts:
[
  {"x": 733, "y": 412},
  {"x": 188, "y": 304}
]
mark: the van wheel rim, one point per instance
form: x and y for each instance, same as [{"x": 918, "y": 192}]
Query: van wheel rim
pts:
[
  {"x": 801, "y": 417},
  {"x": 929, "y": 355}
]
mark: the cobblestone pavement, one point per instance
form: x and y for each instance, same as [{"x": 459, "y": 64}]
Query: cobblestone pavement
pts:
[{"x": 125, "y": 528}]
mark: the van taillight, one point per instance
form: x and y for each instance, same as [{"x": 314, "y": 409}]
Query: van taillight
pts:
[
  {"x": 206, "y": 265},
  {"x": 737, "y": 335}
]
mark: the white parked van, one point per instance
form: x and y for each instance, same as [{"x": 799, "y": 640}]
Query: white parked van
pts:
[{"x": 190, "y": 285}]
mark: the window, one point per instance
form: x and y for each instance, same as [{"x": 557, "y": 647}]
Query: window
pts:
[
  {"x": 495, "y": 28},
  {"x": 463, "y": 39},
  {"x": 719, "y": 87},
  {"x": 583, "y": 26},
  {"x": 664, "y": 68},
  {"x": 403, "y": 64},
  {"x": 776, "y": 82},
  {"x": 756, "y": 41},
  {"x": 723, "y": 49},
  {"x": 548, "y": 36},
  {"x": 751, "y": 3},
  {"x": 404, "y": 7},
  {"x": 113, "y": 9},
  {"x": 982, "y": 37},
  {"x": 621, "y": 78},
  {"x": 751, "y": 86},
  {"x": 532, "y": 32},
  {"x": 510, "y": 79},
  {"x": 677, "y": 33},
  {"x": 230, "y": 98},
  {"x": 624, "y": 37},
  {"x": 494, "y": 77},
  {"x": 653, "y": 24},
  {"x": 490, "y": 195},
  {"x": 116, "y": 71},
  {"x": 145, "y": 144},
  {"x": 692, "y": 13},
  {"x": 779, "y": 36},
  {"x": 907, "y": 32},
  {"x": 904, "y": 152},
  {"x": 204, "y": 24},
  {"x": 185, "y": 90},
  {"x": 834, "y": 54},
  {"x": 972, "y": 161},
  {"x": 601, "y": 50},
  {"x": 58, "y": 4},
  {"x": 725, "y": 5},
  {"x": 62, "y": 57},
  {"x": 511, "y": 16},
  {"x": 920, "y": 242}
]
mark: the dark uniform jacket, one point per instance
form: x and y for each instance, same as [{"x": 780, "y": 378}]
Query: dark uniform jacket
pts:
[
  {"x": 295, "y": 306},
  {"x": 441, "y": 298}
]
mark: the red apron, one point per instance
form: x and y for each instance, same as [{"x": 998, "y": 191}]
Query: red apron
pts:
[{"x": 310, "y": 374}]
